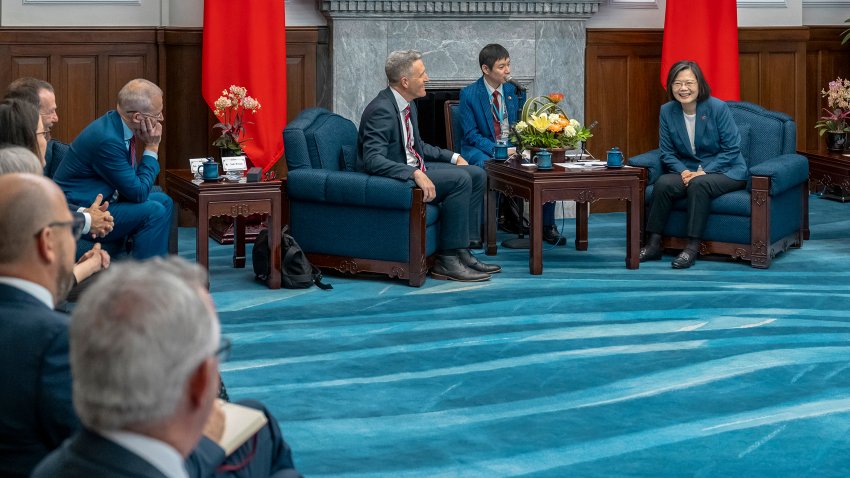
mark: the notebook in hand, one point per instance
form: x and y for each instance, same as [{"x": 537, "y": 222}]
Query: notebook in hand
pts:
[{"x": 240, "y": 424}]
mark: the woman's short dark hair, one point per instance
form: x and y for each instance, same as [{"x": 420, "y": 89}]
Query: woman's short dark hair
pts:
[
  {"x": 680, "y": 66},
  {"x": 18, "y": 124},
  {"x": 492, "y": 53}
]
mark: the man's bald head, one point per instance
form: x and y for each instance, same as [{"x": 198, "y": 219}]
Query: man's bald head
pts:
[
  {"x": 27, "y": 203},
  {"x": 139, "y": 95}
]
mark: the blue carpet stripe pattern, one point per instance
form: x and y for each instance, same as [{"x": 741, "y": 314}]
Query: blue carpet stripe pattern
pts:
[{"x": 588, "y": 370}]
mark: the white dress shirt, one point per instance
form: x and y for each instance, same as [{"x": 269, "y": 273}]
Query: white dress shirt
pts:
[{"x": 402, "y": 104}]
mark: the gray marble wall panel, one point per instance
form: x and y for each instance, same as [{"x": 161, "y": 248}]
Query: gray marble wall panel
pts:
[
  {"x": 450, "y": 47},
  {"x": 359, "y": 50},
  {"x": 560, "y": 63}
]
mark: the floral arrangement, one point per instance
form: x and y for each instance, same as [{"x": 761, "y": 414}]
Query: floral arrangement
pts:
[
  {"x": 230, "y": 109},
  {"x": 838, "y": 100},
  {"x": 545, "y": 125}
]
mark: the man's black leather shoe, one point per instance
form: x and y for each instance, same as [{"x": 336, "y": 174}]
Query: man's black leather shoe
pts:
[
  {"x": 451, "y": 268},
  {"x": 650, "y": 253},
  {"x": 472, "y": 262},
  {"x": 552, "y": 236},
  {"x": 475, "y": 244},
  {"x": 685, "y": 259}
]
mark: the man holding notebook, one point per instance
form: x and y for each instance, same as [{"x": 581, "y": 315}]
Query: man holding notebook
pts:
[{"x": 145, "y": 348}]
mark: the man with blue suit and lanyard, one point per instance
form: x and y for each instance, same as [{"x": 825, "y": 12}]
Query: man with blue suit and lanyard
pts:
[
  {"x": 104, "y": 160},
  {"x": 488, "y": 108}
]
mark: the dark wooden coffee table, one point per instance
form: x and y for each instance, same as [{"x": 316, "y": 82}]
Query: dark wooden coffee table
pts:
[
  {"x": 231, "y": 199},
  {"x": 582, "y": 186},
  {"x": 829, "y": 174}
]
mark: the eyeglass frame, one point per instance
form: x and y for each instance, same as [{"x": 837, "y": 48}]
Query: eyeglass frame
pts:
[
  {"x": 158, "y": 117},
  {"x": 222, "y": 353},
  {"x": 690, "y": 84},
  {"x": 75, "y": 225},
  {"x": 46, "y": 133}
]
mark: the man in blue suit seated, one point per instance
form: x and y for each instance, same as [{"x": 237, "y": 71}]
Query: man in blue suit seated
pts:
[
  {"x": 488, "y": 108},
  {"x": 388, "y": 144},
  {"x": 104, "y": 160}
]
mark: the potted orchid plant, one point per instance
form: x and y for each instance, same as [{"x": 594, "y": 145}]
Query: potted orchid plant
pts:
[
  {"x": 230, "y": 109},
  {"x": 835, "y": 122}
]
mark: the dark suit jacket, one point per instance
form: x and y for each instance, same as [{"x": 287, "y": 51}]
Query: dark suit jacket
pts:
[
  {"x": 36, "y": 413},
  {"x": 87, "y": 454},
  {"x": 716, "y": 139},
  {"x": 477, "y": 118},
  {"x": 380, "y": 141},
  {"x": 98, "y": 163}
]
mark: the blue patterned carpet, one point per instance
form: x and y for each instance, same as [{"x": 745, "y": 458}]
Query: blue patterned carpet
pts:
[{"x": 588, "y": 370}]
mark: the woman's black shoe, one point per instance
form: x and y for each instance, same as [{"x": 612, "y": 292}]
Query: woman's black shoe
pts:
[
  {"x": 650, "y": 253},
  {"x": 685, "y": 259}
]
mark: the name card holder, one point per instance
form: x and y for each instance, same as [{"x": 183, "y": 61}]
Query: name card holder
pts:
[{"x": 234, "y": 165}]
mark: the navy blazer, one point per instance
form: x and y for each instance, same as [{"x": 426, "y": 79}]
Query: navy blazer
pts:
[
  {"x": 99, "y": 163},
  {"x": 716, "y": 139},
  {"x": 90, "y": 454},
  {"x": 380, "y": 141},
  {"x": 36, "y": 413},
  {"x": 477, "y": 118}
]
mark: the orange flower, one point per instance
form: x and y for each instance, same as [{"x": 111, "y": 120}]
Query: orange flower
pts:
[
  {"x": 556, "y": 127},
  {"x": 556, "y": 97}
]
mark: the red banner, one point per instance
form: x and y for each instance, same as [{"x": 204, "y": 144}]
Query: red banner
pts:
[
  {"x": 705, "y": 31},
  {"x": 245, "y": 45}
]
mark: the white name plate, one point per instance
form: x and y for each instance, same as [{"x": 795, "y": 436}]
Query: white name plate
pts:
[
  {"x": 195, "y": 162},
  {"x": 234, "y": 163}
]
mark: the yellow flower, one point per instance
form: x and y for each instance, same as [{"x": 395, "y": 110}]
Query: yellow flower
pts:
[{"x": 540, "y": 123}]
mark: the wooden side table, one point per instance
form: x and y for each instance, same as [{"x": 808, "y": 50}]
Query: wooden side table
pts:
[
  {"x": 829, "y": 174},
  {"x": 584, "y": 186},
  {"x": 232, "y": 199}
]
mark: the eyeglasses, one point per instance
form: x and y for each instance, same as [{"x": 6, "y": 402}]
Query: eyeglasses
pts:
[
  {"x": 158, "y": 117},
  {"x": 76, "y": 225},
  {"x": 689, "y": 84},
  {"x": 223, "y": 351},
  {"x": 46, "y": 133}
]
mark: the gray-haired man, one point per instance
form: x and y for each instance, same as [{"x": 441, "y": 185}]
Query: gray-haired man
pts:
[{"x": 145, "y": 344}]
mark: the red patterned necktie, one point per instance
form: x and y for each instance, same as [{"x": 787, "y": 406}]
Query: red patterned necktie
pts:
[
  {"x": 133, "y": 151},
  {"x": 497, "y": 124},
  {"x": 409, "y": 129}
]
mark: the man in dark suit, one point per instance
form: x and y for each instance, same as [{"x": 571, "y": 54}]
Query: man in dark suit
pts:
[
  {"x": 104, "y": 160},
  {"x": 389, "y": 144},
  {"x": 490, "y": 106},
  {"x": 145, "y": 350},
  {"x": 36, "y": 261}
]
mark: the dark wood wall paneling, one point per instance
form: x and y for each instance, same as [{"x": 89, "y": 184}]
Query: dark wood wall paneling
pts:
[
  {"x": 88, "y": 67},
  {"x": 778, "y": 67}
]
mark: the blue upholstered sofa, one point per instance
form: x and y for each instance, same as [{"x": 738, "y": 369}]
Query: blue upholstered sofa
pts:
[
  {"x": 350, "y": 221},
  {"x": 767, "y": 217}
]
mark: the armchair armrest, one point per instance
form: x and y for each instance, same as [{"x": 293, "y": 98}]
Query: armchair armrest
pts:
[
  {"x": 349, "y": 188},
  {"x": 651, "y": 160},
  {"x": 785, "y": 172}
]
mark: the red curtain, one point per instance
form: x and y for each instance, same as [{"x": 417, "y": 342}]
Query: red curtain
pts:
[
  {"x": 245, "y": 45},
  {"x": 705, "y": 31}
]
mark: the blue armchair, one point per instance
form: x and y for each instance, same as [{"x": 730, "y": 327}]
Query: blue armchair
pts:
[
  {"x": 771, "y": 214},
  {"x": 350, "y": 221}
]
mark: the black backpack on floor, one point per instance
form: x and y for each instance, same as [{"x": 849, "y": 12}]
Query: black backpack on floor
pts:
[{"x": 296, "y": 271}]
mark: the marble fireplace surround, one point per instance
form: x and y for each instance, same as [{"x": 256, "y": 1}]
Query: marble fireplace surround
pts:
[{"x": 546, "y": 40}]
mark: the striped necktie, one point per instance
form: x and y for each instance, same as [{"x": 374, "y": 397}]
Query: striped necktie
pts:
[
  {"x": 497, "y": 123},
  {"x": 133, "y": 151},
  {"x": 409, "y": 129}
]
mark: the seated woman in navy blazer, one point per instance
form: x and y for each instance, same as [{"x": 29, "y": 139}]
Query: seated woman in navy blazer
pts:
[{"x": 701, "y": 156}]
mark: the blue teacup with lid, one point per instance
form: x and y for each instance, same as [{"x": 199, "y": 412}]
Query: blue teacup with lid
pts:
[
  {"x": 615, "y": 158},
  {"x": 500, "y": 152}
]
